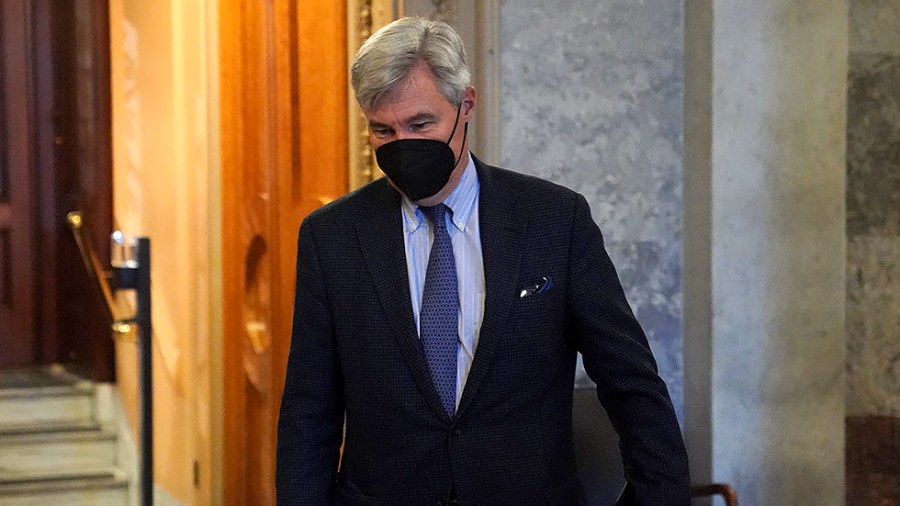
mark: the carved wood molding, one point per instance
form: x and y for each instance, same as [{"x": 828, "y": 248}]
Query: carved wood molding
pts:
[
  {"x": 444, "y": 10},
  {"x": 364, "y": 17}
]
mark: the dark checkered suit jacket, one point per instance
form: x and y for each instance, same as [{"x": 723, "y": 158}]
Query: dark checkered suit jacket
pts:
[{"x": 355, "y": 357}]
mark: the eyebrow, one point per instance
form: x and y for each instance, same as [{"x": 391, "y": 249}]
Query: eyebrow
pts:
[{"x": 422, "y": 116}]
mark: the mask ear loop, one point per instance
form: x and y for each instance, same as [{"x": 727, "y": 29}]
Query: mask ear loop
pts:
[{"x": 465, "y": 134}]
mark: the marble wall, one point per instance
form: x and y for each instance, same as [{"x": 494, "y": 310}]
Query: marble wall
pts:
[
  {"x": 873, "y": 209},
  {"x": 591, "y": 95},
  {"x": 768, "y": 212},
  {"x": 873, "y": 253}
]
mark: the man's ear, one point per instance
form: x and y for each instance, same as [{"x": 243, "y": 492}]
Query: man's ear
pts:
[{"x": 470, "y": 99}]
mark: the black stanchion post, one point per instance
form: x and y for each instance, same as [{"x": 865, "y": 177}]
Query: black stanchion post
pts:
[
  {"x": 133, "y": 272},
  {"x": 143, "y": 318}
]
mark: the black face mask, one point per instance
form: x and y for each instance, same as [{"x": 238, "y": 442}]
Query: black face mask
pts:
[{"x": 420, "y": 168}]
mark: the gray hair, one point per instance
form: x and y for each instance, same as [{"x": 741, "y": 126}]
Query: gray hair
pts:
[{"x": 389, "y": 55}]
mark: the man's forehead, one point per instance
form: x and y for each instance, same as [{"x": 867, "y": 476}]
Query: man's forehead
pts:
[
  {"x": 418, "y": 88},
  {"x": 419, "y": 80}
]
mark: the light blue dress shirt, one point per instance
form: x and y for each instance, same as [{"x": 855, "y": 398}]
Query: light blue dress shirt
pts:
[{"x": 466, "y": 239}]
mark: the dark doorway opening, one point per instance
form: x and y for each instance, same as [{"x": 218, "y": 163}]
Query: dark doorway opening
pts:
[{"x": 55, "y": 157}]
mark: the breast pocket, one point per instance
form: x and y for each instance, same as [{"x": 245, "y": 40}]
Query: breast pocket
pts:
[
  {"x": 539, "y": 304},
  {"x": 535, "y": 332}
]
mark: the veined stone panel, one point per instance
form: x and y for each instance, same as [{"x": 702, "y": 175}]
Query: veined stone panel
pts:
[
  {"x": 873, "y": 234},
  {"x": 873, "y": 253},
  {"x": 875, "y": 26},
  {"x": 591, "y": 98},
  {"x": 873, "y": 144}
]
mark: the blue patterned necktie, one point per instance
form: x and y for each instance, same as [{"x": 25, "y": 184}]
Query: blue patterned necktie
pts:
[{"x": 439, "y": 316}]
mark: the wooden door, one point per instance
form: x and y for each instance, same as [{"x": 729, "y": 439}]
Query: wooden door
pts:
[
  {"x": 54, "y": 158},
  {"x": 284, "y": 153},
  {"x": 17, "y": 188},
  {"x": 73, "y": 162}
]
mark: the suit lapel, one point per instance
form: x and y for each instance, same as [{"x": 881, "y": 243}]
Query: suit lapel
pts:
[
  {"x": 502, "y": 239},
  {"x": 381, "y": 239}
]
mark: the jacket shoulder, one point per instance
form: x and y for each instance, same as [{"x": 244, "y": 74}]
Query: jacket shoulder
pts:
[
  {"x": 353, "y": 206},
  {"x": 530, "y": 191}
]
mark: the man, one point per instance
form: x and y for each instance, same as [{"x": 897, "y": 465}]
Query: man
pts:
[{"x": 438, "y": 315}]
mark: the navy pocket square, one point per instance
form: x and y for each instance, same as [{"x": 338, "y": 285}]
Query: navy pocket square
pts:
[{"x": 545, "y": 283}]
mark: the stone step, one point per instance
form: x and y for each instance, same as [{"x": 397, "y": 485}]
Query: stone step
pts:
[
  {"x": 86, "y": 487},
  {"x": 45, "y": 396},
  {"x": 58, "y": 443},
  {"x": 45, "y": 448}
]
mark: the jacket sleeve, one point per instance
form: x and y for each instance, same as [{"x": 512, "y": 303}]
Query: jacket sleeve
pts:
[
  {"x": 310, "y": 425},
  {"x": 618, "y": 358}
]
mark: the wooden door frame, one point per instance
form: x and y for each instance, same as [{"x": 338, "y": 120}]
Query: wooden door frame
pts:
[
  {"x": 258, "y": 75},
  {"x": 277, "y": 80}
]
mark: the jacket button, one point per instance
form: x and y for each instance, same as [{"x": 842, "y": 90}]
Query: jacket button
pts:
[{"x": 457, "y": 431}]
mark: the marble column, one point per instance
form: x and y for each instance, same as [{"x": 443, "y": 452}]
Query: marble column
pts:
[
  {"x": 765, "y": 246},
  {"x": 873, "y": 253}
]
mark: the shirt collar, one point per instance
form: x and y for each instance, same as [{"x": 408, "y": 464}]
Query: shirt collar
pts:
[{"x": 461, "y": 201}]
